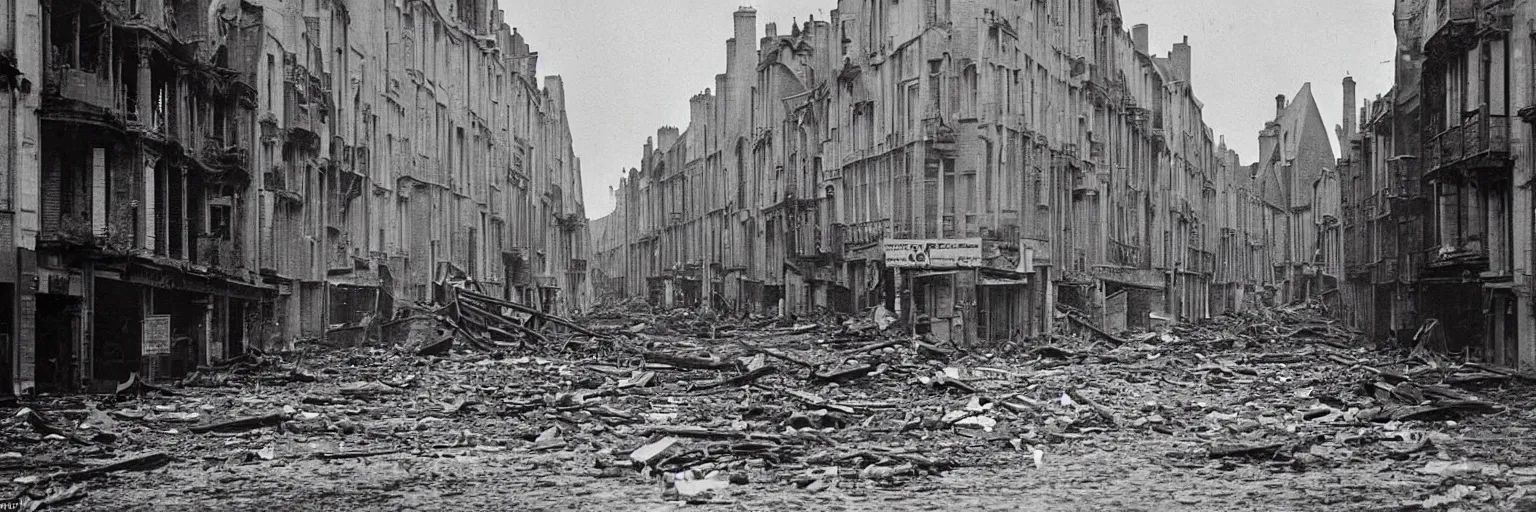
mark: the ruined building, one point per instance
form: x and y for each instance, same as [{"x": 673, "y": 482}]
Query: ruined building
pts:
[
  {"x": 975, "y": 166},
  {"x": 1437, "y": 193},
  {"x": 1299, "y": 187},
  {"x": 185, "y": 179}
]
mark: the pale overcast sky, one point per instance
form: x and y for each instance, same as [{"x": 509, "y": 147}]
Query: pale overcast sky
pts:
[{"x": 630, "y": 66}]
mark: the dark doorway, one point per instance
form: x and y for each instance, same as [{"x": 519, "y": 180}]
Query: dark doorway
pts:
[
  {"x": 119, "y": 310},
  {"x": 57, "y": 327},
  {"x": 234, "y": 343},
  {"x": 7, "y": 330}
]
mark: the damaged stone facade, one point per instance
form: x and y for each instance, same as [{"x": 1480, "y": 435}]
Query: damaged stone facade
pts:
[
  {"x": 218, "y": 175},
  {"x": 1043, "y": 132},
  {"x": 1436, "y": 189}
]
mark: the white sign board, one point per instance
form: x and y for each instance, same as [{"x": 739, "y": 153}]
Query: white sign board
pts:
[
  {"x": 964, "y": 253},
  {"x": 157, "y": 335}
]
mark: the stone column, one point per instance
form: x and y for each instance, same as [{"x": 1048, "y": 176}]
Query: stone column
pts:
[
  {"x": 1520, "y": 212},
  {"x": 146, "y": 96}
]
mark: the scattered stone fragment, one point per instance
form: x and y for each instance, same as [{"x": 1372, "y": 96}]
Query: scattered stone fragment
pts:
[{"x": 648, "y": 453}]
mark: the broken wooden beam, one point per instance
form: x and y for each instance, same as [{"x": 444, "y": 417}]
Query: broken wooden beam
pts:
[
  {"x": 741, "y": 380},
  {"x": 43, "y": 425},
  {"x": 702, "y": 433},
  {"x": 872, "y": 348},
  {"x": 356, "y": 454},
  {"x": 1259, "y": 450},
  {"x": 505, "y": 323},
  {"x": 682, "y": 361},
  {"x": 144, "y": 462},
  {"x": 242, "y": 424},
  {"x": 1102, "y": 411},
  {"x": 1096, "y": 330},
  {"x": 530, "y": 311},
  {"x": 844, "y": 375},
  {"x": 436, "y": 348},
  {"x": 778, "y": 355}
]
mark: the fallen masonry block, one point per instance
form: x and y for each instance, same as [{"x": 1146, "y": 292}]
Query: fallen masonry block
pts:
[
  {"x": 1262, "y": 450},
  {"x": 648, "y": 453}
]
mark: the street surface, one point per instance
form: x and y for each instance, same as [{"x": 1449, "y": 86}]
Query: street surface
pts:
[{"x": 1273, "y": 410}]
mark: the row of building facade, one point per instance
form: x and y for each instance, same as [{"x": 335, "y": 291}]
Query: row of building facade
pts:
[
  {"x": 1436, "y": 184},
  {"x": 187, "y": 179},
  {"x": 983, "y": 168}
]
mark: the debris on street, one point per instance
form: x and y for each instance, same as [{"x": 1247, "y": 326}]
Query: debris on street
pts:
[{"x": 830, "y": 407}]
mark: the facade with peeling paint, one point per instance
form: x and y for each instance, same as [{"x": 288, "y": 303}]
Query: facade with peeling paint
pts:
[
  {"x": 192, "y": 178},
  {"x": 1046, "y": 130}
]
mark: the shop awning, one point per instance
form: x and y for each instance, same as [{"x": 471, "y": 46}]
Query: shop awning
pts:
[
  {"x": 160, "y": 276},
  {"x": 357, "y": 279},
  {"x": 1000, "y": 281},
  {"x": 935, "y": 274}
]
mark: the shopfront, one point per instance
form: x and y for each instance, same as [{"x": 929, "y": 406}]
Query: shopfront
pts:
[{"x": 966, "y": 291}]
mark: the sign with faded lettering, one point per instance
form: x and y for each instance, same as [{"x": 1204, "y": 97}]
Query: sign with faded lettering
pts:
[
  {"x": 157, "y": 335},
  {"x": 963, "y": 253}
]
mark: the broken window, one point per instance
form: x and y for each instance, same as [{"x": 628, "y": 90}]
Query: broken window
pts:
[{"x": 78, "y": 37}]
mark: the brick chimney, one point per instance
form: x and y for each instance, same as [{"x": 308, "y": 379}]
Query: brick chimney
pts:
[
  {"x": 1279, "y": 107},
  {"x": 1181, "y": 59},
  {"x": 1350, "y": 107}
]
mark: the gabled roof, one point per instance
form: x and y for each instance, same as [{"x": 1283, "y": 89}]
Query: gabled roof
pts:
[{"x": 1305, "y": 141}]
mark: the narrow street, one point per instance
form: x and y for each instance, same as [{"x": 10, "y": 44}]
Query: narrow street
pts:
[
  {"x": 1275, "y": 409},
  {"x": 778, "y": 255}
]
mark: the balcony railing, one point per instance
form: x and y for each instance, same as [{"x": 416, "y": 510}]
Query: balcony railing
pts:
[
  {"x": 1479, "y": 136},
  {"x": 867, "y": 232},
  {"x": 1449, "y": 14},
  {"x": 1125, "y": 255},
  {"x": 1455, "y": 10},
  {"x": 1006, "y": 233},
  {"x": 84, "y": 86},
  {"x": 216, "y": 251}
]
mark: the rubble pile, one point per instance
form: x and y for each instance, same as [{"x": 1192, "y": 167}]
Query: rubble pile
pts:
[{"x": 712, "y": 411}]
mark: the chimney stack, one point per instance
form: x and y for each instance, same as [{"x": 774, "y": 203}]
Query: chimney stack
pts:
[
  {"x": 1349, "y": 107},
  {"x": 1279, "y": 106},
  {"x": 1181, "y": 59},
  {"x": 1139, "y": 37}
]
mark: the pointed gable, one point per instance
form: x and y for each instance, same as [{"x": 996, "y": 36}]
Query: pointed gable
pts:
[{"x": 1304, "y": 143}]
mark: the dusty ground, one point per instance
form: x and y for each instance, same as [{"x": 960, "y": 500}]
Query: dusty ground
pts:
[{"x": 1245, "y": 415}]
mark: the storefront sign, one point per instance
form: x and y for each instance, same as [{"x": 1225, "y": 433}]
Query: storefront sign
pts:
[
  {"x": 964, "y": 253},
  {"x": 157, "y": 335}
]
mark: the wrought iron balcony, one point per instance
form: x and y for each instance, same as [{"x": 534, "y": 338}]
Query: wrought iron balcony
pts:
[{"x": 867, "y": 232}]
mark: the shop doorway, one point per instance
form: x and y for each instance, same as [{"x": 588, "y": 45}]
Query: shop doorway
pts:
[
  {"x": 58, "y": 328},
  {"x": 118, "y": 312},
  {"x": 234, "y": 343}
]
